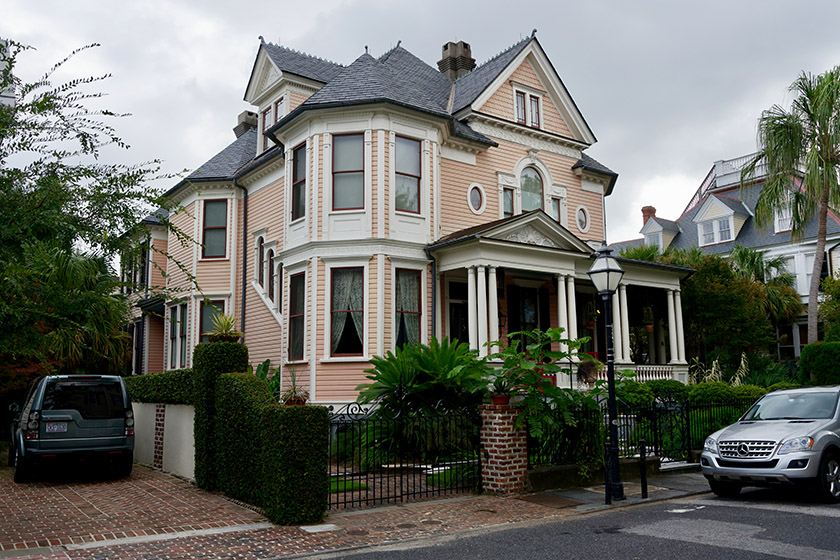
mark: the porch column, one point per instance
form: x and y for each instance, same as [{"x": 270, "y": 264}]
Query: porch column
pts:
[
  {"x": 570, "y": 294},
  {"x": 625, "y": 323},
  {"x": 672, "y": 329},
  {"x": 482, "y": 311},
  {"x": 660, "y": 343},
  {"x": 618, "y": 344},
  {"x": 471, "y": 308},
  {"x": 493, "y": 305},
  {"x": 651, "y": 338},
  {"x": 680, "y": 334},
  {"x": 562, "y": 309}
]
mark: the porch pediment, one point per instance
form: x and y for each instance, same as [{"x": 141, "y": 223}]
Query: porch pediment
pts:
[{"x": 530, "y": 235}]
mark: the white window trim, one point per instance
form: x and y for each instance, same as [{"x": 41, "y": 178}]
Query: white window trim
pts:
[
  {"x": 779, "y": 225},
  {"x": 588, "y": 219},
  {"x": 256, "y": 250},
  {"x": 297, "y": 268},
  {"x": 405, "y": 264},
  {"x": 715, "y": 230},
  {"x": 330, "y": 264},
  {"x": 529, "y": 92},
  {"x": 170, "y": 324},
  {"x": 480, "y": 210},
  {"x": 656, "y": 237},
  {"x": 212, "y": 197}
]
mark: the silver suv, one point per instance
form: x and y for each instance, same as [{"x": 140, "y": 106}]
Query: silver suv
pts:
[
  {"x": 79, "y": 417},
  {"x": 786, "y": 437}
]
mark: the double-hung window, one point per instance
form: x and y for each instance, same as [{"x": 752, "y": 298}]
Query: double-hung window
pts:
[
  {"x": 173, "y": 336},
  {"x": 715, "y": 231},
  {"x": 507, "y": 202},
  {"x": 209, "y": 311},
  {"x": 407, "y": 192},
  {"x": 407, "y": 306},
  {"x": 527, "y": 108},
  {"x": 297, "y": 317},
  {"x": 214, "y": 236},
  {"x": 178, "y": 336},
  {"x": 520, "y": 107},
  {"x": 347, "y": 328},
  {"x": 724, "y": 231},
  {"x": 299, "y": 182},
  {"x": 260, "y": 260},
  {"x": 348, "y": 172},
  {"x": 535, "y": 111},
  {"x": 270, "y": 260},
  {"x": 556, "y": 207},
  {"x": 182, "y": 335},
  {"x": 784, "y": 214}
]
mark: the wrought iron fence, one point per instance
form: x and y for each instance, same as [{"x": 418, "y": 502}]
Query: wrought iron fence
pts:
[
  {"x": 377, "y": 457},
  {"x": 671, "y": 428}
]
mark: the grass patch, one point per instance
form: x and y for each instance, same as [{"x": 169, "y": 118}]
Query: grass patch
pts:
[
  {"x": 460, "y": 475},
  {"x": 346, "y": 486}
]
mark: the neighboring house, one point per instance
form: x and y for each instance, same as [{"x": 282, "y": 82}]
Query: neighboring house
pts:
[
  {"x": 721, "y": 215},
  {"x": 385, "y": 202}
]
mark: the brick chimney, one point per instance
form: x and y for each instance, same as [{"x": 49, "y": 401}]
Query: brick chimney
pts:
[
  {"x": 246, "y": 121},
  {"x": 456, "y": 60},
  {"x": 647, "y": 213}
]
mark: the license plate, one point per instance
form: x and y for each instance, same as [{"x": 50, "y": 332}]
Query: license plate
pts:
[{"x": 56, "y": 427}]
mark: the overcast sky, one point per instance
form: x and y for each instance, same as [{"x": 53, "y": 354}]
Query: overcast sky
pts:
[{"x": 668, "y": 87}]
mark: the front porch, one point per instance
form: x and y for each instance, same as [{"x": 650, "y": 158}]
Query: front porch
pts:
[{"x": 529, "y": 272}]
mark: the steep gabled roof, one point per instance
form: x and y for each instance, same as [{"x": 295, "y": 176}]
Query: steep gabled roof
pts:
[
  {"x": 227, "y": 162},
  {"x": 469, "y": 86},
  {"x": 302, "y": 64},
  {"x": 423, "y": 78}
]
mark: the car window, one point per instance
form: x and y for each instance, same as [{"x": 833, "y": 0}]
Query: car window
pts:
[
  {"x": 794, "y": 406},
  {"x": 93, "y": 400}
]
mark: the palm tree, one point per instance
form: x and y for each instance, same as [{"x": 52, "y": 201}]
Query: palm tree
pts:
[
  {"x": 781, "y": 302},
  {"x": 800, "y": 150}
]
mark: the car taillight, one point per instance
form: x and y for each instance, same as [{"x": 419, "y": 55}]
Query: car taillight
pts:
[
  {"x": 32, "y": 426},
  {"x": 129, "y": 422}
]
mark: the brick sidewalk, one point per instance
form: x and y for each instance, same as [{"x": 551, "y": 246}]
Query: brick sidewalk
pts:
[{"x": 153, "y": 515}]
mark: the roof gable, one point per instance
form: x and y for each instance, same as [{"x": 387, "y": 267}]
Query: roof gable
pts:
[
  {"x": 500, "y": 71},
  {"x": 711, "y": 209},
  {"x": 273, "y": 62}
]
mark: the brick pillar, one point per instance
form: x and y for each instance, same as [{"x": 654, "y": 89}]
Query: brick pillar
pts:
[
  {"x": 505, "y": 449},
  {"x": 160, "y": 419}
]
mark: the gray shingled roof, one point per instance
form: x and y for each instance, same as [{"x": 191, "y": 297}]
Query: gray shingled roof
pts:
[
  {"x": 591, "y": 164},
  {"x": 469, "y": 86},
  {"x": 227, "y": 162},
  {"x": 667, "y": 225},
  {"x": 409, "y": 69},
  {"x": 302, "y": 64},
  {"x": 156, "y": 216},
  {"x": 735, "y": 205}
]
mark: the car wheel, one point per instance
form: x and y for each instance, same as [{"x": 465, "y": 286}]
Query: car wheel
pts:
[
  {"x": 123, "y": 466},
  {"x": 724, "y": 489},
  {"x": 828, "y": 478},
  {"x": 12, "y": 454},
  {"x": 23, "y": 469}
]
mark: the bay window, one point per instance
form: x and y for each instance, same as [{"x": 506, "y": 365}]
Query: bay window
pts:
[
  {"x": 299, "y": 182},
  {"x": 348, "y": 172},
  {"x": 407, "y": 188},
  {"x": 209, "y": 311},
  {"x": 297, "y": 317},
  {"x": 407, "y": 306},
  {"x": 347, "y": 329}
]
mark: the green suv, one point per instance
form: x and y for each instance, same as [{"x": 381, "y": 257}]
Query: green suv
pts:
[{"x": 77, "y": 417}]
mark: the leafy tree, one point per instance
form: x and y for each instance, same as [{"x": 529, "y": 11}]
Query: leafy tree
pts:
[
  {"x": 65, "y": 214},
  {"x": 781, "y": 302},
  {"x": 830, "y": 308},
  {"x": 799, "y": 150}
]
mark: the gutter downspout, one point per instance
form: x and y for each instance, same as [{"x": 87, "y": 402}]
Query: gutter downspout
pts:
[
  {"x": 434, "y": 290},
  {"x": 244, "y": 251}
]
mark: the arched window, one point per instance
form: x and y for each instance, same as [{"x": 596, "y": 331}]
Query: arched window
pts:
[
  {"x": 260, "y": 262},
  {"x": 270, "y": 259},
  {"x": 531, "y": 185}
]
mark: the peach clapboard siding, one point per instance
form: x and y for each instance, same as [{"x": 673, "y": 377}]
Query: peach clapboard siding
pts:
[
  {"x": 296, "y": 99},
  {"x": 456, "y": 178},
  {"x": 155, "y": 344},
  {"x": 181, "y": 251},
  {"x": 501, "y": 103},
  {"x": 158, "y": 263}
]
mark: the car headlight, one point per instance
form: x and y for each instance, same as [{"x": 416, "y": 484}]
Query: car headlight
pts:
[
  {"x": 710, "y": 446},
  {"x": 801, "y": 443}
]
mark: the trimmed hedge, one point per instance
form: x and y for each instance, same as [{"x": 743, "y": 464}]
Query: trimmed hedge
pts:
[
  {"x": 634, "y": 394},
  {"x": 240, "y": 398},
  {"x": 294, "y": 462},
  {"x": 820, "y": 359},
  {"x": 210, "y": 360},
  {"x": 715, "y": 392},
  {"x": 748, "y": 392},
  {"x": 668, "y": 387},
  {"x": 782, "y": 385},
  {"x": 168, "y": 387}
]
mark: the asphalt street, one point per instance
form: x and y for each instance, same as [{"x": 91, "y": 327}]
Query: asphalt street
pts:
[{"x": 758, "y": 524}]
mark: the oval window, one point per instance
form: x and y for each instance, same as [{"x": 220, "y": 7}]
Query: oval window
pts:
[
  {"x": 475, "y": 198},
  {"x": 582, "y": 219},
  {"x": 531, "y": 185}
]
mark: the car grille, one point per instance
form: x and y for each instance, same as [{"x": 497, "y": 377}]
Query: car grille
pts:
[
  {"x": 750, "y": 465},
  {"x": 746, "y": 449}
]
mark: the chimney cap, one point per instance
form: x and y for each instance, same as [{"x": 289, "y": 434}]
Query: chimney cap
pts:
[{"x": 647, "y": 213}]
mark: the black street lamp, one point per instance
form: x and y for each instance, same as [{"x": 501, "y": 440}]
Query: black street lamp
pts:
[{"x": 606, "y": 273}]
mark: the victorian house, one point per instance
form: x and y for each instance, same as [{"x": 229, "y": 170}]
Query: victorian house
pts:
[{"x": 366, "y": 206}]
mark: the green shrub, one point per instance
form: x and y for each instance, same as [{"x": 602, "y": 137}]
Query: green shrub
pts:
[
  {"x": 782, "y": 385},
  {"x": 668, "y": 387},
  {"x": 295, "y": 443},
  {"x": 168, "y": 387},
  {"x": 748, "y": 392},
  {"x": 819, "y": 361},
  {"x": 634, "y": 394},
  {"x": 715, "y": 392},
  {"x": 209, "y": 361},
  {"x": 240, "y": 398}
]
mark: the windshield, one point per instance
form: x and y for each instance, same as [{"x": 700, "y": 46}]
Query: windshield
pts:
[
  {"x": 795, "y": 406},
  {"x": 98, "y": 399}
]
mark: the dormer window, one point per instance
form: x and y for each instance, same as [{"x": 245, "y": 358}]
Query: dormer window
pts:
[
  {"x": 527, "y": 108},
  {"x": 266, "y": 119},
  {"x": 715, "y": 231},
  {"x": 784, "y": 215},
  {"x": 654, "y": 239},
  {"x": 278, "y": 109}
]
